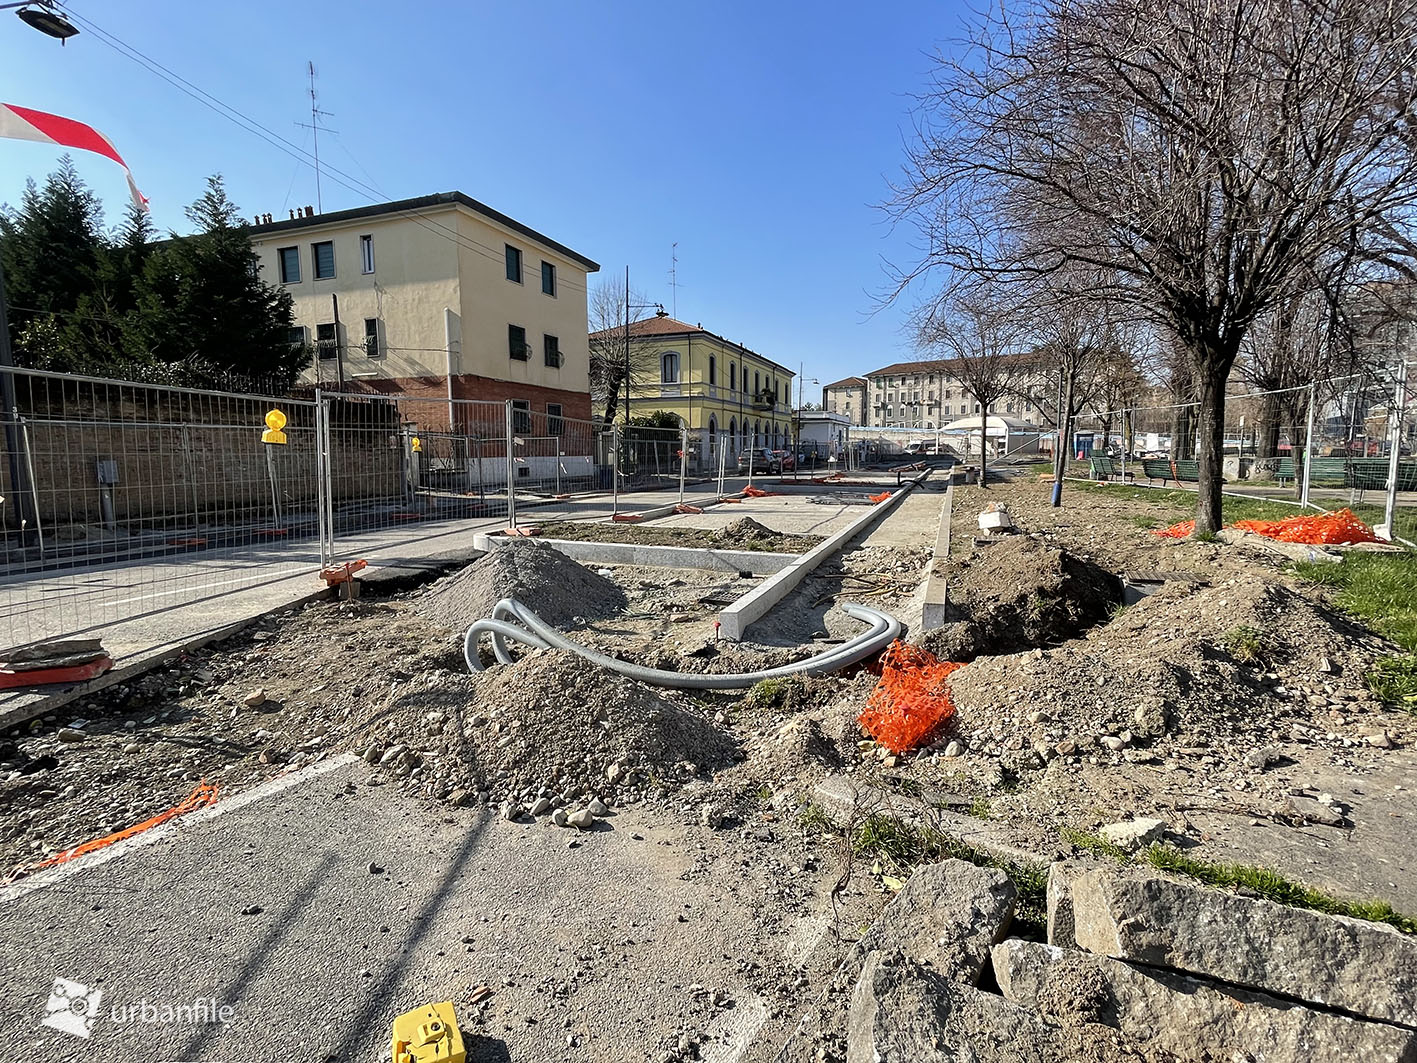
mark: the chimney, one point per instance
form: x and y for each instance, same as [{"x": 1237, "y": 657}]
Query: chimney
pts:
[
  {"x": 309, "y": 211},
  {"x": 292, "y": 215}
]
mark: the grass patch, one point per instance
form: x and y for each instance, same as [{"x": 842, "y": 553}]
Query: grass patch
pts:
[
  {"x": 1181, "y": 504},
  {"x": 900, "y": 847},
  {"x": 1273, "y": 886},
  {"x": 772, "y": 694},
  {"x": 1380, "y": 589},
  {"x": 1394, "y": 680},
  {"x": 1243, "y": 642},
  {"x": 1260, "y": 881},
  {"x": 980, "y": 809},
  {"x": 810, "y": 817}
]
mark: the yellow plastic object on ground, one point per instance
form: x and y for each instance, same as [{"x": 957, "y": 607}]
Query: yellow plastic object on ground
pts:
[{"x": 428, "y": 1034}]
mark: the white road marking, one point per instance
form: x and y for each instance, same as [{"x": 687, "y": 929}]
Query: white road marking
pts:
[{"x": 269, "y": 788}]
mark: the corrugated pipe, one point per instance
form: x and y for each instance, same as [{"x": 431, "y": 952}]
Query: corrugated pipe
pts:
[{"x": 511, "y": 620}]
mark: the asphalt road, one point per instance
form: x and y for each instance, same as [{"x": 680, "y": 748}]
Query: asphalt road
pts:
[{"x": 591, "y": 950}]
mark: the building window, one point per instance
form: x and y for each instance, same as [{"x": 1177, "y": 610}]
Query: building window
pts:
[
  {"x": 713, "y": 371},
  {"x": 554, "y": 423},
  {"x": 326, "y": 339},
  {"x": 732, "y": 376},
  {"x": 551, "y": 350},
  {"x": 521, "y": 416},
  {"x": 516, "y": 343},
  {"x": 371, "y": 337},
  {"x": 548, "y": 278},
  {"x": 324, "y": 255},
  {"x": 514, "y": 264},
  {"x": 757, "y": 383},
  {"x": 295, "y": 336},
  {"x": 669, "y": 367},
  {"x": 366, "y": 254},
  {"x": 289, "y": 265}
]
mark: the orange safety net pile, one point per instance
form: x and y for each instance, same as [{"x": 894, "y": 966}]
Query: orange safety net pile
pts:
[
  {"x": 203, "y": 795},
  {"x": 880, "y": 497},
  {"x": 757, "y": 492},
  {"x": 1320, "y": 529},
  {"x": 911, "y": 701},
  {"x": 1177, "y": 531}
]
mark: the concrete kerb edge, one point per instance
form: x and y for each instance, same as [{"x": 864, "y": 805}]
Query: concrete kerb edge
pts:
[
  {"x": 757, "y": 562},
  {"x": 17, "y": 715},
  {"x": 734, "y": 620},
  {"x": 937, "y": 592}
]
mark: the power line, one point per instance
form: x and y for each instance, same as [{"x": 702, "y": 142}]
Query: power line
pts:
[{"x": 277, "y": 141}]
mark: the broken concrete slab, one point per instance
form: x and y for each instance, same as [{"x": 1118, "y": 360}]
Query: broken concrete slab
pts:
[
  {"x": 948, "y": 915},
  {"x": 1163, "y": 1011},
  {"x": 1367, "y": 969},
  {"x": 1133, "y": 834},
  {"x": 902, "y": 1012}
]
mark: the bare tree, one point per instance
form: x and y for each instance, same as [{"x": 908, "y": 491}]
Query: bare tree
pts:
[
  {"x": 610, "y": 361},
  {"x": 978, "y": 336},
  {"x": 1205, "y": 153}
]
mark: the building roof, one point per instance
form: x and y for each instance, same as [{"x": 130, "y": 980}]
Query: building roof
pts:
[
  {"x": 848, "y": 382},
  {"x": 939, "y": 365},
  {"x": 401, "y": 206},
  {"x": 998, "y": 424},
  {"x": 664, "y": 325}
]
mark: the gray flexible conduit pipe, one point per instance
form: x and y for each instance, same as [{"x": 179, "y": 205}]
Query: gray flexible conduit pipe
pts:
[{"x": 513, "y": 621}]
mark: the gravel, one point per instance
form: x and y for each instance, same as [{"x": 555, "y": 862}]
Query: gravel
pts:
[{"x": 557, "y": 588}]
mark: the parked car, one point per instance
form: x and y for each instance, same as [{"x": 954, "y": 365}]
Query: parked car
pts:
[
  {"x": 765, "y": 461},
  {"x": 785, "y": 461}
]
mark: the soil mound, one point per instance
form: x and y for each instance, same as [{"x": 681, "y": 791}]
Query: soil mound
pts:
[
  {"x": 551, "y": 725},
  {"x": 1019, "y": 593},
  {"x": 547, "y": 581},
  {"x": 747, "y": 530},
  {"x": 1225, "y": 666}
]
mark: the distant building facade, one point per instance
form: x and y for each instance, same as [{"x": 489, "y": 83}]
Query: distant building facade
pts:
[
  {"x": 714, "y": 386},
  {"x": 846, "y": 398},
  {"x": 438, "y": 296},
  {"x": 930, "y": 394}
]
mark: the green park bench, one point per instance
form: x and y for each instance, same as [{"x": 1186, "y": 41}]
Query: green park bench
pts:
[
  {"x": 1157, "y": 469},
  {"x": 1104, "y": 468},
  {"x": 1284, "y": 470},
  {"x": 1181, "y": 470}
]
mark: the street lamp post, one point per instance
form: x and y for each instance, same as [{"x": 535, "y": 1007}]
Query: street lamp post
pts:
[{"x": 40, "y": 16}]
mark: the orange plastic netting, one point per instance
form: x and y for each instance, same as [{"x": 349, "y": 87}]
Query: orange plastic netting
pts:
[
  {"x": 756, "y": 492},
  {"x": 1176, "y": 531},
  {"x": 911, "y": 701},
  {"x": 1319, "y": 529},
  {"x": 880, "y": 497},
  {"x": 203, "y": 795}
]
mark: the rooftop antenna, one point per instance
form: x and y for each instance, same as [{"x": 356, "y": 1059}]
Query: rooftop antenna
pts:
[
  {"x": 674, "y": 277},
  {"x": 314, "y": 126}
]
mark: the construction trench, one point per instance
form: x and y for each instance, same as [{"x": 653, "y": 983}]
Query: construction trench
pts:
[{"x": 591, "y": 860}]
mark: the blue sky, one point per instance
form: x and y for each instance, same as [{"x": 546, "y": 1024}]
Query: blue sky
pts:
[{"x": 757, "y": 136}]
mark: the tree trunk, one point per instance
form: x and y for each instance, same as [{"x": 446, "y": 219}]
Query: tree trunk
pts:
[
  {"x": 1267, "y": 427},
  {"x": 612, "y": 402},
  {"x": 984, "y": 445},
  {"x": 1065, "y": 433},
  {"x": 1183, "y": 433},
  {"x": 1107, "y": 431},
  {"x": 1212, "y": 370}
]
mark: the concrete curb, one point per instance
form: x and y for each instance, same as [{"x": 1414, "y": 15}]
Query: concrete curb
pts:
[
  {"x": 845, "y": 802},
  {"x": 937, "y": 592},
  {"x": 757, "y": 562},
  {"x": 737, "y": 617}
]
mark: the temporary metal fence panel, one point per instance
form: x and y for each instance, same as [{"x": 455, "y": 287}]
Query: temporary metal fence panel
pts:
[{"x": 123, "y": 499}]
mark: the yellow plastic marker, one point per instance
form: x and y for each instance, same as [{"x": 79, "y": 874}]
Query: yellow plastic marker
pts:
[
  {"x": 416, "y": 443},
  {"x": 275, "y": 421},
  {"x": 429, "y": 1033}
]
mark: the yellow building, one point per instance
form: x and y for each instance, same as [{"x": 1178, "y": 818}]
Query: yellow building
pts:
[
  {"x": 724, "y": 393},
  {"x": 439, "y": 297}
]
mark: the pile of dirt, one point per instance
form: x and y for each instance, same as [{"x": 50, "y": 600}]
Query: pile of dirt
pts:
[
  {"x": 546, "y": 580},
  {"x": 1017, "y": 594},
  {"x": 549, "y": 726},
  {"x": 747, "y": 532},
  {"x": 1226, "y": 667}
]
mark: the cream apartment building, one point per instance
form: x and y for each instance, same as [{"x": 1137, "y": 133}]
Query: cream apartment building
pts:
[
  {"x": 440, "y": 297},
  {"x": 846, "y": 398},
  {"x": 926, "y": 394}
]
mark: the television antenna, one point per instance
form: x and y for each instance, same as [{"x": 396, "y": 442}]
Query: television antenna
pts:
[{"x": 314, "y": 126}]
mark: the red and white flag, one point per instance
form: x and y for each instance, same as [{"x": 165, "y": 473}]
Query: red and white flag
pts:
[{"x": 21, "y": 123}]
